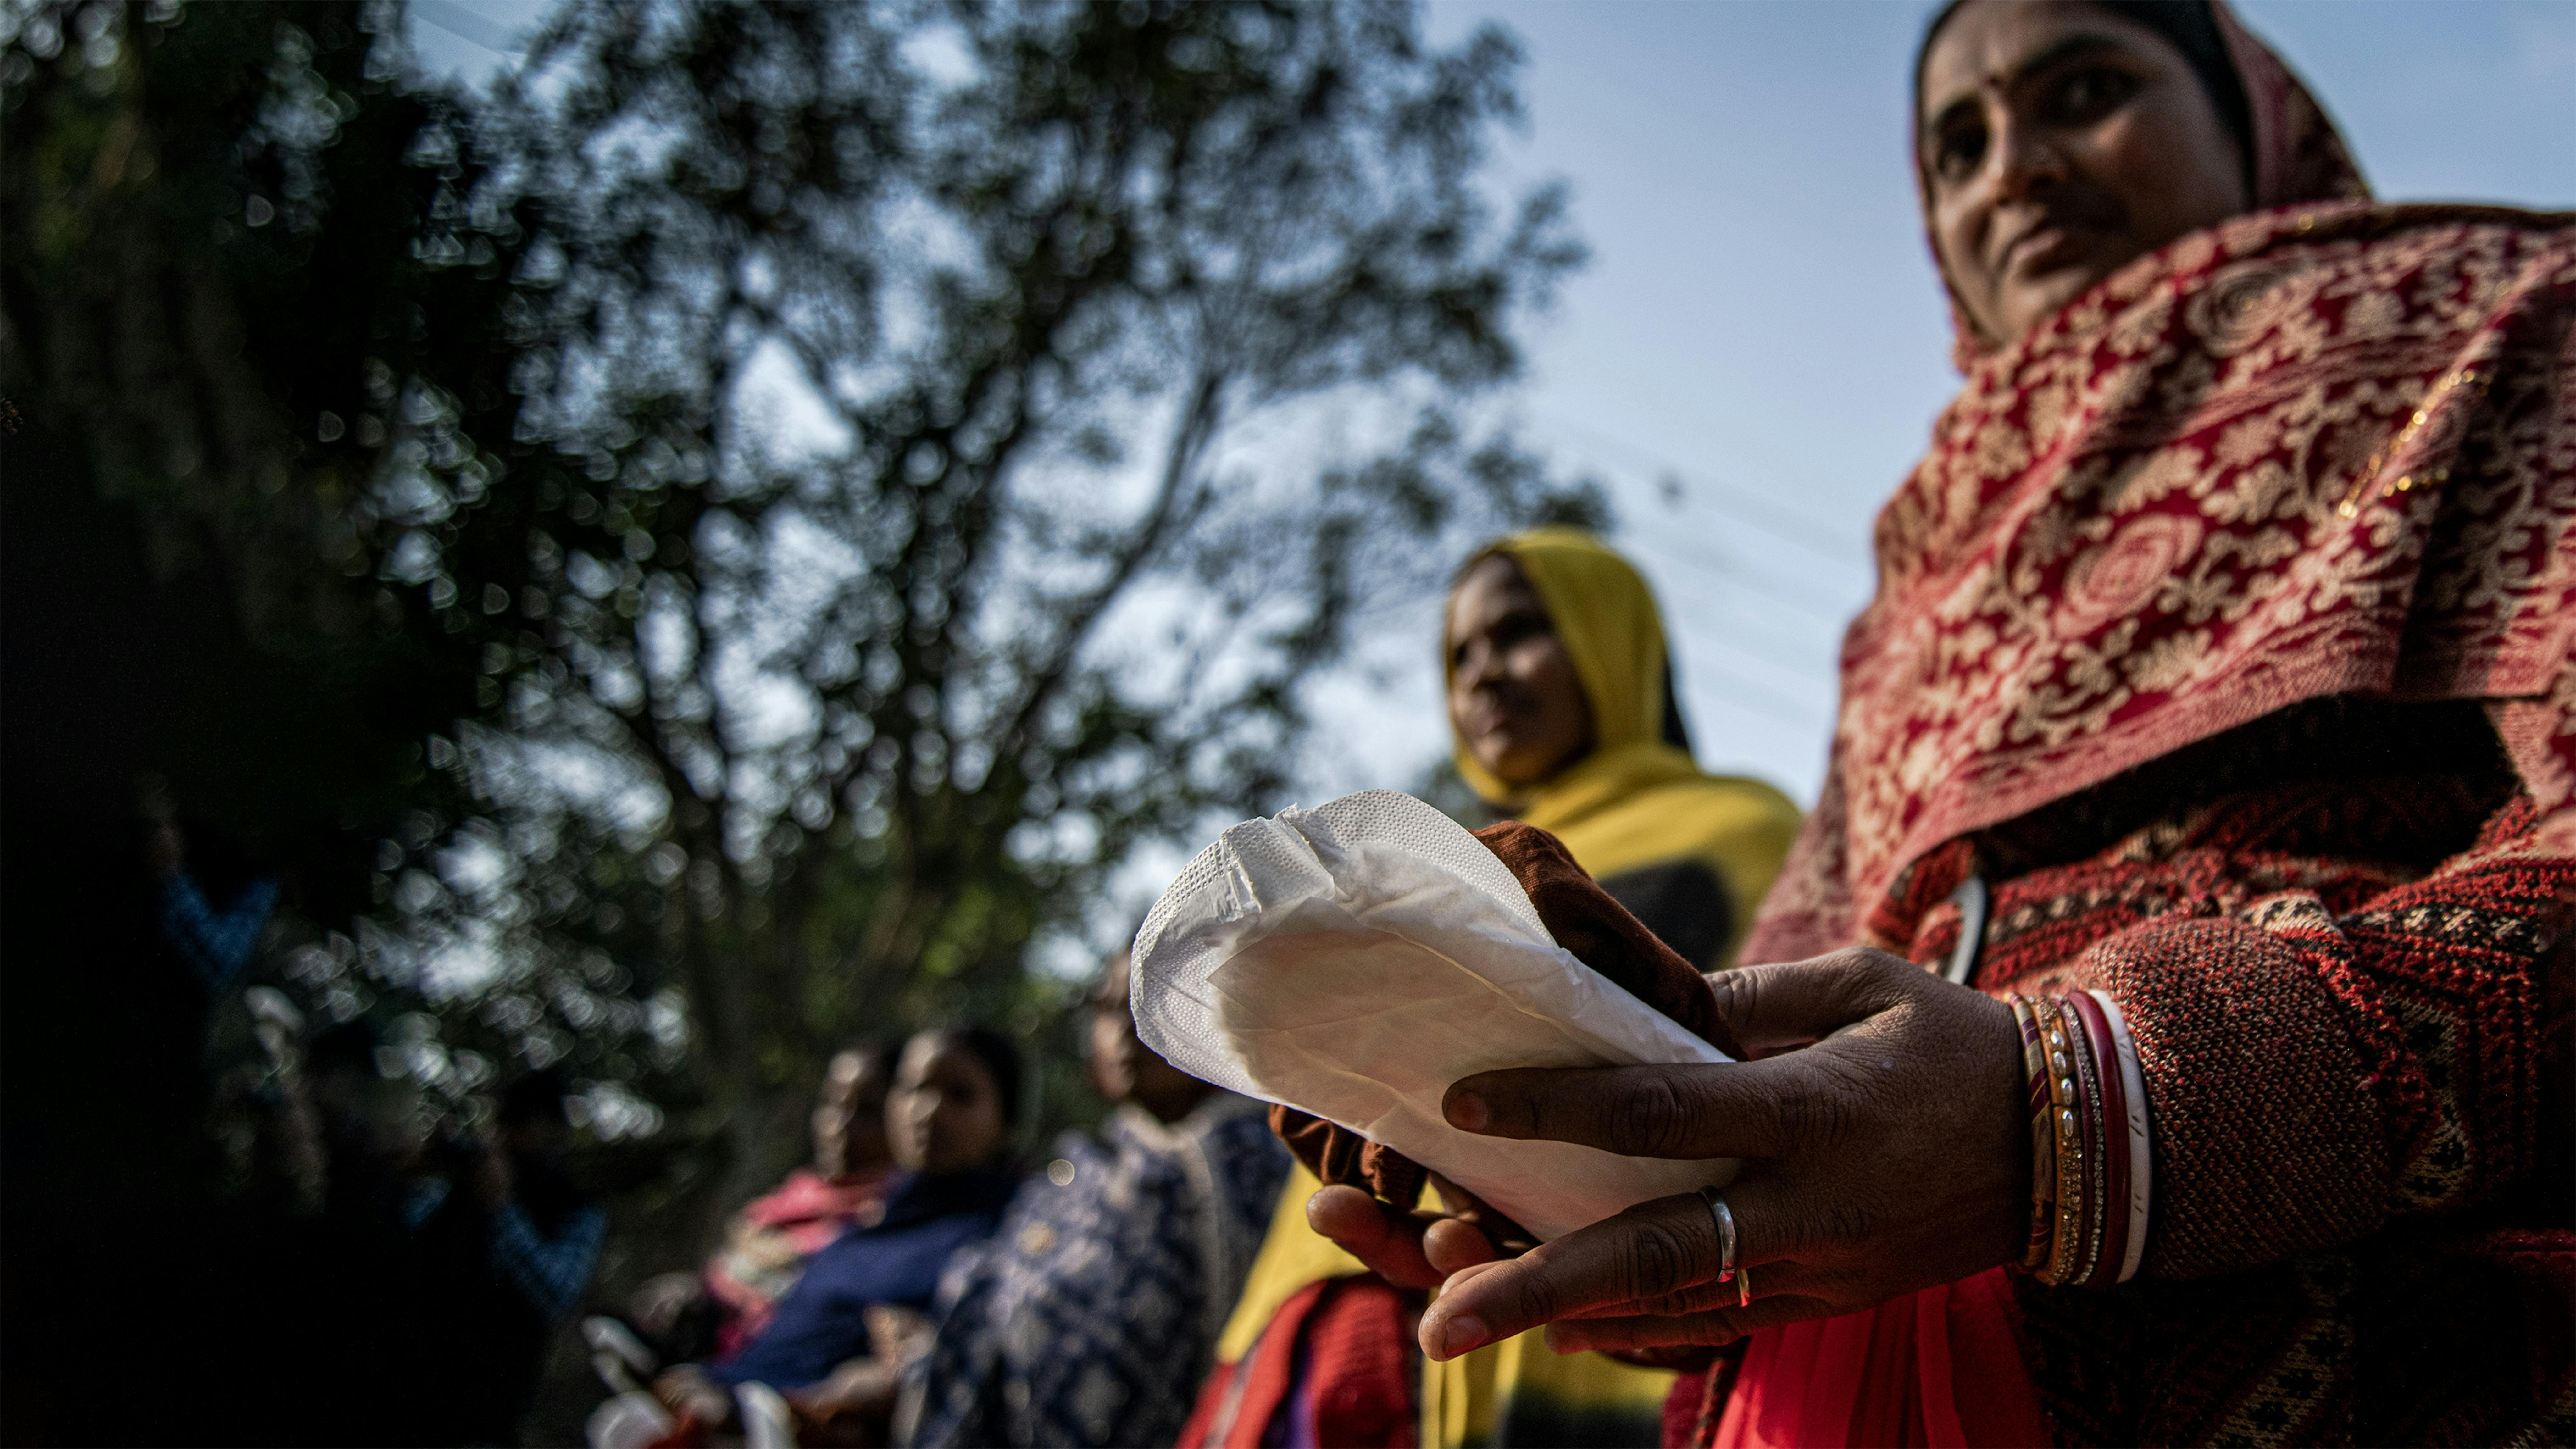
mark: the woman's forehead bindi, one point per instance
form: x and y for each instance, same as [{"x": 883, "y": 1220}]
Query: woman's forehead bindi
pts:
[{"x": 2002, "y": 47}]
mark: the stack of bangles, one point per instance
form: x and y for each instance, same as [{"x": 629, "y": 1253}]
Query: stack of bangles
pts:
[{"x": 2090, "y": 1164}]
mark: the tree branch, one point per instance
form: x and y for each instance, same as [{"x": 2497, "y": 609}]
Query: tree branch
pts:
[{"x": 1191, "y": 433}]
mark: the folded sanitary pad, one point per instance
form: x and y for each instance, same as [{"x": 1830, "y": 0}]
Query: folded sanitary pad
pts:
[{"x": 1355, "y": 959}]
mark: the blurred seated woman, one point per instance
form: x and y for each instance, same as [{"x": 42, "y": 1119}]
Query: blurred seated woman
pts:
[
  {"x": 835, "y": 1343},
  {"x": 1087, "y": 1320},
  {"x": 712, "y": 1313},
  {"x": 2172, "y": 1045}
]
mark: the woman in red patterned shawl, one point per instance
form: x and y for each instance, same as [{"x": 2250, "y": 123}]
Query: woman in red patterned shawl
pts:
[{"x": 2174, "y": 1041}]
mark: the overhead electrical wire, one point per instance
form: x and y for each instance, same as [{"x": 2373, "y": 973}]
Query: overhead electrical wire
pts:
[
  {"x": 1698, "y": 570},
  {"x": 1765, "y": 513},
  {"x": 1707, "y": 567},
  {"x": 1741, "y": 695}
]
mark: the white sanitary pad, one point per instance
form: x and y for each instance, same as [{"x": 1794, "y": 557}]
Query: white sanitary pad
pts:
[{"x": 1355, "y": 959}]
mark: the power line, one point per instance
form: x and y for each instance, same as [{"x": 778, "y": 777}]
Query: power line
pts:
[
  {"x": 1836, "y": 613},
  {"x": 1705, "y": 566},
  {"x": 1760, "y": 511},
  {"x": 1760, "y": 646},
  {"x": 1762, "y": 701}
]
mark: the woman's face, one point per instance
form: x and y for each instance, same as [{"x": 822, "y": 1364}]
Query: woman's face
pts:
[
  {"x": 2061, "y": 141},
  {"x": 1513, "y": 696},
  {"x": 850, "y": 1117},
  {"x": 1123, "y": 1068},
  {"x": 944, "y": 1114}
]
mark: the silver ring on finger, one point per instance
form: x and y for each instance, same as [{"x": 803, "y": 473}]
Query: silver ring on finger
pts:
[{"x": 1725, "y": 1219}]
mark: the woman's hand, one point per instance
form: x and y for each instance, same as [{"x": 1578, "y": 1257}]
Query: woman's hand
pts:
[
  {"x": 861, "y": 1388},
  {"x": 1890, "y": 1155},
  {"x": 688, "y": 1393},
  {"x": 661, "y": 1300},
  {"x": 1414, "y": 1249}
]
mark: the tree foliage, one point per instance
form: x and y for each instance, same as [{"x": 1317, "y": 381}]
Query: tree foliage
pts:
[
  {"x": 803, "y": 492},
  {"x": 180, "y": 530}
]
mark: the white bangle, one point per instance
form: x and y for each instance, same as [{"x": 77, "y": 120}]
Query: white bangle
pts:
[{"x": 2141, "y": 1150}]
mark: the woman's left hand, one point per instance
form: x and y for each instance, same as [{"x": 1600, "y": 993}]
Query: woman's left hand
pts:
[
  {"x": 687, "y": 1391},
  {"x": 861, "y": 1387},
  {"x": 1414, "y": 1249},
  {"x": 1891, "y": 1154}
]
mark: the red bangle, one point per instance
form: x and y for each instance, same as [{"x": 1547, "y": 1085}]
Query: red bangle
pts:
[
  {"x": 2088, "y": 1080},
  {"x": 2113, "y": 1114}
]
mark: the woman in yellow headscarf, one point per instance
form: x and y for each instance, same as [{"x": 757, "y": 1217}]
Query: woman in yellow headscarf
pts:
[
  {"x": 1560, "y": 705},
  {"x": 1562, "y": 708}
]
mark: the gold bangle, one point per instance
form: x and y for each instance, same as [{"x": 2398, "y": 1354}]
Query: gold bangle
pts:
[
  {"x": 2067, "y": 1222},
  {"x": 2043, "y": 1135}
]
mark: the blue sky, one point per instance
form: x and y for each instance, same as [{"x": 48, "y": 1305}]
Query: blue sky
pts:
[{"x": 1759, "y": 321}]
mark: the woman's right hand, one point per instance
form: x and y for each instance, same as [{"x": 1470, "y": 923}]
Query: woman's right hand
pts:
[{"x": 1889, "y": 1155}]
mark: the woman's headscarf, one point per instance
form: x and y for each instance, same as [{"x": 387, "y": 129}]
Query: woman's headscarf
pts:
[{"x": 2327, "y": 447}]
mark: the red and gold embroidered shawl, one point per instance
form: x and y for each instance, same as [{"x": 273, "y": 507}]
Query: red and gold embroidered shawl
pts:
[{"x": 2328, "y": 447}]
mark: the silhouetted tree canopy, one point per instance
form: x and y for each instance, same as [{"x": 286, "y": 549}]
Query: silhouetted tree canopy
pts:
[{"x": 728, "y": 538}]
